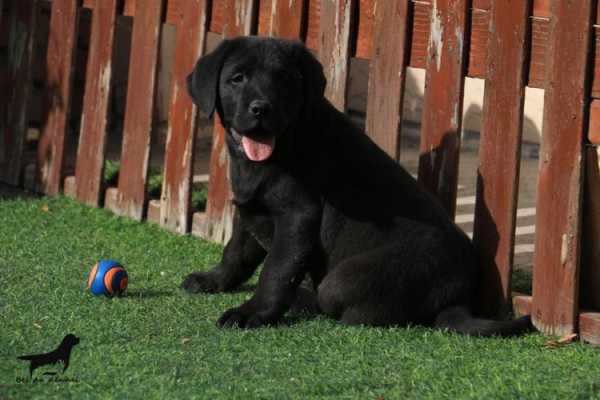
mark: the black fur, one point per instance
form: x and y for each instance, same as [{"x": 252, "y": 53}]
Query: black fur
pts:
[
  {"x": 61, "y": 355},
  {"x": 327, "y": 204}
]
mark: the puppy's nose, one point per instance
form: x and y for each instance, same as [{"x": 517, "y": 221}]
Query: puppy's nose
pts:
[{"x": 259, "y": 107}]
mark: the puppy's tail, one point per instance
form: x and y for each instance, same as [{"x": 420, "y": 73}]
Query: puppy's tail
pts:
[{"x": 459, "y": 319}]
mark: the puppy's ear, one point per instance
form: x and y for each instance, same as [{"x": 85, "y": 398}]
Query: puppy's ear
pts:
[
  {"x": 203, "y": 82},
  {"x": 312, "y": 75}
]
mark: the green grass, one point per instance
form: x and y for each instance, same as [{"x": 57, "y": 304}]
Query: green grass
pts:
[{"x": 161, "y": 343}]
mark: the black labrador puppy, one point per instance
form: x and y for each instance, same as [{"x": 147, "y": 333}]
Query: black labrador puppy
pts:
[{"x": 317, "y": 198}]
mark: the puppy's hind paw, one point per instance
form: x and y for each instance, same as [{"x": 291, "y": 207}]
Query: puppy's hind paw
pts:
[{"x": 200, "y": 282}]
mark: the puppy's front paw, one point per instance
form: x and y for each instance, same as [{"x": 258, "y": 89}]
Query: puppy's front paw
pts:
[
  {"x": 236, "y": 318},
  {"x": 200, "y": 282}
]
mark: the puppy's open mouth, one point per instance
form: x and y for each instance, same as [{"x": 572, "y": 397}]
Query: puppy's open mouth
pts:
[{"x": 256, "y": 149}]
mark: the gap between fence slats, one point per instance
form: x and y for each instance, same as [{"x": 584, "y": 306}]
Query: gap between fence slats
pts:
[{"x": 590, "y": 250}]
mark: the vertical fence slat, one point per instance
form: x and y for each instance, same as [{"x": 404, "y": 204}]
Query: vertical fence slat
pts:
[
  {"x": 442, "y": 105},
  {"x": 266, "y": 16},
  {"x": 215, "y": 224},
  {"x": 238, "y": 17},
  {"x": 387, "y": 73},
  {"x": 189, "y": 45},
  {"x": 287, "y": 18},
  {"x": 313, "y": 24},
  {"x": 559, "y": 192},
  {"x": 129, "y": 7},
  {"x": 129, "y": 198},
  {"x": 13, "y": 121},
  {"x": 499, "y": 152},
  {"x": 173, "y": 13},
  {"x": 92, "y": 138},
  {"x": 365, "y": 26},
  {"x": 59, "y": 79},
  {"x": 334, "y": 47}
]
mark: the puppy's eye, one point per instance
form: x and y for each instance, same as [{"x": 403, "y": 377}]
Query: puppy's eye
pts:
[{"x": 237, "y": 78}]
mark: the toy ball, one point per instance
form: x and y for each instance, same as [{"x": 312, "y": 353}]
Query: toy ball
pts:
[{"x": 107, "y": 277}]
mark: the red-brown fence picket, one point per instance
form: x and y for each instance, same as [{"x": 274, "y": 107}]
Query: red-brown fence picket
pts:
[
  {"x": 86, "y": 185},
  {"x": 509, "y": 43},
  {"x": 555, "y": 305},
  {"x": 498, "y": 173},
  {"x": 442, "y": 108},
  {"x": 20, "y": 21},
  {"x": 387, "y": 74},
  {"x": 59, "y": 67},
  {"x": 129, "y": 198}
]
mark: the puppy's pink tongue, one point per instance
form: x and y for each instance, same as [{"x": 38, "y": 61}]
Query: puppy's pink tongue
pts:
[{"x": 258, "y": 149}]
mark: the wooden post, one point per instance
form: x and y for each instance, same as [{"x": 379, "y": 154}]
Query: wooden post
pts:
[
  {"x": 499, "y": 152},
  {"x": 558, "y": 223},
  {"x": 189, "y": 44},
  {"x": 334, "y": 47},
  {"x": 59, "y": 79},
  {"x": 13, "y": 120},
  {"x": 130, "y": 197},
  {"x": 92, "y": 138},
  {"x": 129, "y": 7},
  {"x": 287, "y": 19},
  {"x": 387, "y": 73},
  {"x": 442, "y": 108}
]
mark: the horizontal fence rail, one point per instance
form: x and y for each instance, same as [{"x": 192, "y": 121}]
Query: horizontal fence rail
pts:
[{"x": 512, "y": 44}]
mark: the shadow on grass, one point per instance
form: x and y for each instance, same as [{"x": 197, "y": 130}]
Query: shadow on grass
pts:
[
  {"x": 292, "y": 319},
  {"x": 141, "y": 294}
]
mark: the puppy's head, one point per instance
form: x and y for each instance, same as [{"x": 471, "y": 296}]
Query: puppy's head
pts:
[
  {"x": 70, "y": 340},
  {"x": 261, "y": 87}
]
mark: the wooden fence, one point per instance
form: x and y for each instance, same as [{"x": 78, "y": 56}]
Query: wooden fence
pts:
[{"x": 548, "y": 44}]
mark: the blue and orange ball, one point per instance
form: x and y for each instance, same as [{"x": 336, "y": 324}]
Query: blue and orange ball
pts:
[{"x": 107, "y": 277}]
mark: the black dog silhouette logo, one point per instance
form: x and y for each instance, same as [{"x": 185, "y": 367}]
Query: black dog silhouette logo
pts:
[{"x": 61, "y": 355}]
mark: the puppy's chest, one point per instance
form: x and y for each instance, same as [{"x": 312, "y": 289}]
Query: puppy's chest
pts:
[
  {"x": 245, "y": 181},
  {"x": 259, "y": 223}
]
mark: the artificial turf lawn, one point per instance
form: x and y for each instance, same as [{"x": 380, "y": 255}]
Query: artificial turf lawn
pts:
[{"x": 162, "y": 343}]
